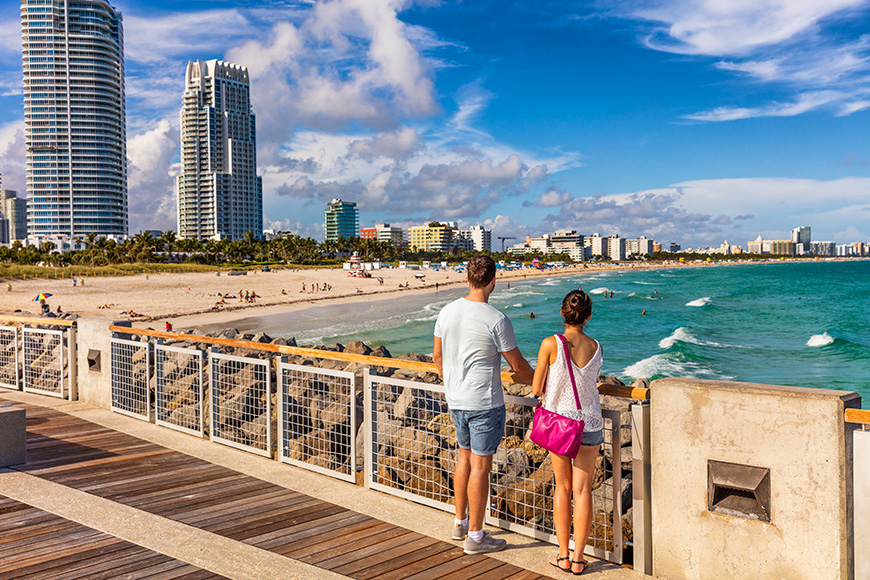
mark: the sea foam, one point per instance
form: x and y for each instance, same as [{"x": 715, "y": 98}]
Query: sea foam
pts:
[
  {"x": 682, "y": 334},
  {"x": 602, "y": 290},
  {"x": 820, "y": 339},
  {"x": 669, "y": 366},
  {"x": 699, "y": 302}
]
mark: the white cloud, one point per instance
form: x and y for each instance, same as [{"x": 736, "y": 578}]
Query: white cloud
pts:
[
  {"x": 782, "y": 42},
  {"x": 804, "y": 103},
  {"x": 151, "y": 181},
  {"x": 12, "y": 156},
  {"x": 695, "y": 212},
  {"x": 723, "y": 28},
  {"x": 398, "y": 145}
]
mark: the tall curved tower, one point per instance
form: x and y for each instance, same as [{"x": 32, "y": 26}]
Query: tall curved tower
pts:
[
  {"x": 75, "y": 132},
  {"x": 220, "y": 195}
]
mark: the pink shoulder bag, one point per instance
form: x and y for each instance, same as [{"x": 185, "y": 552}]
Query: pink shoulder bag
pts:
[{"x": 555, "y": 432}]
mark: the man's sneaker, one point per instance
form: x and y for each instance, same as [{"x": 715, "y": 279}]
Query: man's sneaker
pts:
[
  {"x": 459, "y": 531},
  {"x": 484, "y": 546}
]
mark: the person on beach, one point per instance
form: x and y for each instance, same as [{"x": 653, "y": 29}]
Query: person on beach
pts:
[
  {"x": 470, "y": 339},
  {"x": 552, "y": 381}
]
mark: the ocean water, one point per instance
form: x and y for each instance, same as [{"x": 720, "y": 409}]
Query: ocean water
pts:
[{"x": 801, "y": 324}]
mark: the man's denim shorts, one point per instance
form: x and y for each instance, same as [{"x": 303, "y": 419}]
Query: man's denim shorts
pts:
[
  {"x": 592, "y": 438},
  {"x": 480, "y": 431}
]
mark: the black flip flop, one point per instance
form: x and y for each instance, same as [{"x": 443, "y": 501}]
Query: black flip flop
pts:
[
  {"x": 556, "y": 565},
  {"x": 584, "y": 563}
]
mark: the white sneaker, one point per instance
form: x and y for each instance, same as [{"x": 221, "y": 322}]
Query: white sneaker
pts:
[
  {"x": 485, "y": 545},
  {"x": 459, "y": 531}
]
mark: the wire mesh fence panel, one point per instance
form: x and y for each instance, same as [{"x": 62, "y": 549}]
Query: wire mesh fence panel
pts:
[
  {"x": 410, "y": 446},
  {"x": 318, "y": 420},
  {"x": 523, "y": 484},
  {"x": 44, "y": 362},
  {"x": 241, "y": 403},
  {"x": 130, "y": 373},
  {"x": 9, "y": 356},
  {"x": 180, "y": 389}
]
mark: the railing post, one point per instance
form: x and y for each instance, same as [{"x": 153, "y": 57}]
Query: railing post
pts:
[
  {"x": 641, "y": 488},
  {"x": 370, "y": 421},
  {"x": 73, "y": 361},
  {"x": 861, "y": 499}
]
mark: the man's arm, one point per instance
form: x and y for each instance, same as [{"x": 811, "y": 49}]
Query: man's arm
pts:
[
  {"x": 438, "y": 356},
  {"x": 518, "y": 364}
]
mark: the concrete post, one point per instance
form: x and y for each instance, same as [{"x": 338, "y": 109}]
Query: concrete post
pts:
[
  {"x": 94, "y": 358},
  {"x": 13, "y": 436},
  {"x": 795, "y": 521}
]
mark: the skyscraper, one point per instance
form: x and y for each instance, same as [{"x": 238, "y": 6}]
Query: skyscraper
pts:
[
  {"x": 14, "y": 210},
  {"x": 75, "y": 133},
  {"x": 340, "y": 220},
  {"x": 219, "y": 192}
]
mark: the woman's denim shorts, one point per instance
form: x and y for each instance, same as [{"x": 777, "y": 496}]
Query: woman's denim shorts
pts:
[{"x": 592, "y": 438}]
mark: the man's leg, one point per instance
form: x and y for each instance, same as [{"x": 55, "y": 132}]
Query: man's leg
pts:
[
  {"x": 478, "y": 490},
  {"x": 460, "y": 483}
]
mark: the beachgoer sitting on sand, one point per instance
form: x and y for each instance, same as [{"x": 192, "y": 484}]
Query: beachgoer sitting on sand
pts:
[
  {"x": 303, "y": 287},
  {"x": 284, "y": 292},
  {"x": 168, "y": 326},
  {"x": 59, "y": 311}
]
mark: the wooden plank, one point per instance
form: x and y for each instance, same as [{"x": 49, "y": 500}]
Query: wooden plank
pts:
[
  {"x": 475, "y": 565},
  {"x": 343, "y": 549},
  {"x": 433, "y": 561},
  {"x": 858, "y": 416},
  {"x": 492, "y": 569},
  {"x": 38, "y": 321},
  {"x": 276, "y": 540},
  {"x": 307, "y": 551},
  {"x": 399, "y": 562},
  {"x": 362, "y": 563}
]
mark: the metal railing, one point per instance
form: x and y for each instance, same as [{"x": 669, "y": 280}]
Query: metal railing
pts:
[
  {"x": 317, "y": 419},
  {"x": 9, "y": 357},
  {"x": 180, "y": 388},
  {"x": 411, "y": 452},
  {"x": 241, "y": 402},
  {"x": 131, "y": 378},
  {"x": 44, "y": 363}
]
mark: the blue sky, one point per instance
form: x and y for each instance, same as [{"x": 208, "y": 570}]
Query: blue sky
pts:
[{"x": 689, "y": 121}]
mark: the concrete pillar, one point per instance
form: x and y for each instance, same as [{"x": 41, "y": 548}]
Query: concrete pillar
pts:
[
  {"x": 94, "y": 357},
  {"x": 13, "y": 436},
  {"x": 797, "y": 436}
]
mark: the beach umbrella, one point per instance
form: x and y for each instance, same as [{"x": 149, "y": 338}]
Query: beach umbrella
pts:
[
  {"x": 41, "y": 296},
  {"x": 420, "y": 275}
]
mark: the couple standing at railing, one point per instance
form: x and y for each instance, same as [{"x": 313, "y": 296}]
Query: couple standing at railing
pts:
[{"x": 471, "y": 336}]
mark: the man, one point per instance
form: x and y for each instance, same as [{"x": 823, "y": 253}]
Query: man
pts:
[{"x": 470, "y": 338}]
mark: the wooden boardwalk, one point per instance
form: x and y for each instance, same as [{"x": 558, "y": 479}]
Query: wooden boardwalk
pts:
[
  {"x": 35, "y": 544},
  {"x": 115, "y": 466}
]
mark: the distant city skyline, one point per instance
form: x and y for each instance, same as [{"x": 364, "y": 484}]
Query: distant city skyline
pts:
[{"x": 690, "y": 122}]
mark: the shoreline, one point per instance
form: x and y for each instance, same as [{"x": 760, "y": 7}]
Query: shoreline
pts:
[{"x": 188, "y": 300}]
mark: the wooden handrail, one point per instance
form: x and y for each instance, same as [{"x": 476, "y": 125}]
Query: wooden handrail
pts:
[
  {"x": 32, "y": 320},
  {"x": 858, "y": 416},
  {"x": 615, "y": 390}
]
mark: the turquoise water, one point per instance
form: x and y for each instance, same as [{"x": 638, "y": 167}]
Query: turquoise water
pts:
[{"x": 801, "y": 324}]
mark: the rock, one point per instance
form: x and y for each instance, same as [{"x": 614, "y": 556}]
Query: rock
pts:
[
  {"x": 442, "y": 424},
  {"x": 415, "y": 404},
  {"x": 511, "y": 464},
  {"x": 607, "y": 380},
  {"x": 602, "y": 497},
  {"x": 427, "y": 479},
  {"x": 416, "y": 445},
  {"x": 280, "y": 341},
  {"x": 416, "y": 356},
  {"x": 357, "y": 347},
  {"x": 230, "y": 333},
  {"x": 628, "y": 525},
  {"x": 620, "y": 404},
  {"x": 261, "y": 337},
  {"x": 528, "y": 498},
  {"x": 640, "y": 384},
  {"x": 381, "y": 351}
]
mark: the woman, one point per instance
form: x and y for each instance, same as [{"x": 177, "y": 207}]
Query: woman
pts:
[{"x": 553, "y": 382}]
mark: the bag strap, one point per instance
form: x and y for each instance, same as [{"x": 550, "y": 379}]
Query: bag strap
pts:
[{"x": 570, "y": 370}]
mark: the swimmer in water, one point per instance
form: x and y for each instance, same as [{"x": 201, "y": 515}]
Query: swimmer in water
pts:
[
  {"x": 643, "y": 313},
  {"x": 532, "y": 315}
]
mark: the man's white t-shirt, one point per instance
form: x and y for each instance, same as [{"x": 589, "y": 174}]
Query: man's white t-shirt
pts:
[{"x": 473, "y": 336}]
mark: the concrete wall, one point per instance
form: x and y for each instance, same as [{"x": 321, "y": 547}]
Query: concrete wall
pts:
[
  {"x": 95, "y": 387},
  {"x": 862, "y": 503},
  {"x": 797, "y": 433}
]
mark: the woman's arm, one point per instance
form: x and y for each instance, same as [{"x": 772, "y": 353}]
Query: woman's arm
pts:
[{"x": 545, "y": 354}]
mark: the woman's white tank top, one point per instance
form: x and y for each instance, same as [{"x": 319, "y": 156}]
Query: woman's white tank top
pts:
[{"x": 558, "y": 396}]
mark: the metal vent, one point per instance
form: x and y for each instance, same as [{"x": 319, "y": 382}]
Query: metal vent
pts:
[
  {"x": 94, "y": 360},
  {"x": 738, "y": 490}
]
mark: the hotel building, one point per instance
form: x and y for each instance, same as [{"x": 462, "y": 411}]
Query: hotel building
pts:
[
  {"x": 13, "y": 209},
  {"x": 340, "y": 220},
  {"x": 75, "y": 131},
  {"x": 219, "y": 193},
  {"x": 384, "y": 233}
]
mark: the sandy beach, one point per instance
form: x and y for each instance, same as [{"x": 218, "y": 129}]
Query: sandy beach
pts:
[{"x": 206, "y": 298}]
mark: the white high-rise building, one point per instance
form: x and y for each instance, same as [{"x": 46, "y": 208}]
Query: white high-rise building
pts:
[
  {"x": 75, "y": 122},
  {"x": 476, "y": 238},
  {"x": 219, "y": 192}
]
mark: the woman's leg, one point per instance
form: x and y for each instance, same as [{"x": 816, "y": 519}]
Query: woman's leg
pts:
[
  {"x": 584, "y": 469},
  {"x": 562, "y": 505}
]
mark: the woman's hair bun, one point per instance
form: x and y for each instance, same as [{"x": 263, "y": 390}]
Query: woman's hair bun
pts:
[{"x": 576, "y": 307}]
